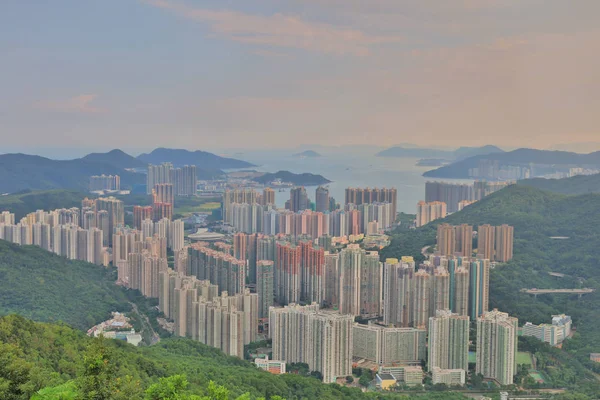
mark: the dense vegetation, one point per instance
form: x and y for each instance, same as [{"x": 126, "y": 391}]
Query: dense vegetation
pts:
[
  {"x": 46, "y": 287},
  {"x": 54, "y": 359},
  {"x": 305, "y": 179},
  {"x": 26, "y": 201},
  {"x": 579, "y": 184},
  {"x": 460, "y": 169},
  {"x": 537, "y": 216}
]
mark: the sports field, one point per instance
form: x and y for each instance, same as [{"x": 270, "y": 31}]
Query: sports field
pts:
[{"x": 524, "y": 357}]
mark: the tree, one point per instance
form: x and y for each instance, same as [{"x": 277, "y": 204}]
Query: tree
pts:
[
  {"x": 169, "y": 388},
  {"x": 98, "y": 381},
  {"x": 364, "y": 380},
  {"x": 349, "y": 379}
]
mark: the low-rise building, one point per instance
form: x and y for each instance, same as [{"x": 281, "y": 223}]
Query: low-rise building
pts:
[
  {"x": 385, "y": 381},
  {"x": 275, "y": 367},
  {"x": 450, "y": 377}
]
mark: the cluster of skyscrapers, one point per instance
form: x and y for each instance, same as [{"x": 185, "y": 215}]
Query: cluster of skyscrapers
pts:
[
  {"x": 249, "y": 212},
  {"x": 184, "y": 179},
  {"x": 77, "y": 234}
]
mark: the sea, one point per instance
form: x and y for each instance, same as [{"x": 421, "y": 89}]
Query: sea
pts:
[{"x": 349, "y": 169}]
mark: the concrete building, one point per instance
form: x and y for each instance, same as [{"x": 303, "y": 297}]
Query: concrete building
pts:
[
  {"x": 449, "y": 377},
  {"x": 497, "y": 346},
  {"x": 322, "y": 199},
  {"x": 299, "y": 199},
  {"x": 360, "y": 288},
  {"x": 554, "y": 333},
  {"x": 479, "y": 286},
  {"x": 322, "y": 339},
  {"x": 358, "y": 196},
  {"x": 427, "y": 212},
  {"x": 105, "y": 182},
  {"x": 504, "y": 243},
  {"x": 398, "y": 292},
  {"x": 158, "y": 174},
  {"x": 448, "y": 341},
  {"x": 275, "y": 367},
  {"x": 115, "y": 210},
  {"x": 446, "y": 240},
  {"x": 264, "y": 286}
]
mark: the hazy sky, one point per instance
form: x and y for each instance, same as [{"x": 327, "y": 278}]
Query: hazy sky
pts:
[{"x": 281, "y": 73}]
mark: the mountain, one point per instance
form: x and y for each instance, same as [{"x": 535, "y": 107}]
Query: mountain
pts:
[
  {"x": 201, "y": 159},
  {"x": 27, "y": 201},
  {"x": 45, "y": 287},
  {"x": 116, "y": 158},
  {"x": 579, "y": 184},
  {"x": 460, "y": 169},
  {"x": 307, "y": 153},
  {"x": 417, "y": 152},
  {"x": 21, "y": 172},
  {"x": 305, "y": 179}
]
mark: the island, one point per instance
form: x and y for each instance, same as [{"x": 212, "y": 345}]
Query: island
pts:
[
  {"x": 307, "y": 153},
  {"x": 432, "y": 162},
  {"x": 304, "y": 179}
]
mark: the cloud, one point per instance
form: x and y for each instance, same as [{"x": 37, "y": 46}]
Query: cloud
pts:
[
  {"x": 279, "y": 30},
  {"x": 78, "y": 104}
]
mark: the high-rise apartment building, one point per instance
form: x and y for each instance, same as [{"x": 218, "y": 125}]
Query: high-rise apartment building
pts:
[
  {"x": 497, "y": 346},
  {"x": 360, "y": 196},
  {"x": 460, "y": 298},
  {"x": 421, "y": 299},
  {"x": 464, "y": 240},
  {"x": 322, "y": 199},
  {"x": 322, "y": 339},
  {"x": 264, "y": 286},
  {"x": 299, "y": 199},
  {"x": 449, "y": 193},
  {"x": 398, "y": 291},
  {"x": 184, "y": 180},
  {"x": 427, "y": 212},
  {"x": 268, "y": 196},
  {"x": 239, "y": 196},
  {"x": 448, "y": 341},
  {"x": 116, "y": 215},
  {"x": 221, "y": 269},
  {"x": 486, "y": 242},
  {"x": 446, "y": 239},
  {"x": 158, "y": 174},
  {"x": 504, "y": 243},
  {"x": 479, "y": 286},
  {"x": 163, "y": 193},
  {"x": 105, "y": 182},
  {"x": 359, "y": 277},
  {"x": 140, "y": 213}
]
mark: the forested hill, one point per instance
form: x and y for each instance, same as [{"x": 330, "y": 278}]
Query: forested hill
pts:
[
  {"x": 45, "y": 361},
  {"x": 579, "y": 184},
  {"x": 45, "y": 287}
]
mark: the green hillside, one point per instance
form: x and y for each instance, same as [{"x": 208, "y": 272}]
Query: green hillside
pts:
[
  {"x": 46, "y": 287},
  {"x": 579, "y": 184},
  {"x": 55, "y": 359},
  {"x": 27, "y": 201},
  {"x": 537, "y": 216}
]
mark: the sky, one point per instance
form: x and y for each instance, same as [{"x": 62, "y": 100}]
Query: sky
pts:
[{"x": 139, "y": 74}]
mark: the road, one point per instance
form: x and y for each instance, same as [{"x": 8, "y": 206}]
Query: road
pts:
[{"x": 146, "y": 326}]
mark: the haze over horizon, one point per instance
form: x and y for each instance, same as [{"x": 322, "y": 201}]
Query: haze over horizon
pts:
[{"x": 269, "y": 74}]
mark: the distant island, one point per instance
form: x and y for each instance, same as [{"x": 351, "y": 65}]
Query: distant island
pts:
[
  {"x": 202, "y": 159},
  {"x": 304, "y": 179},
  {"x": 307, "y": 153},
  {"x": 535, "y": 162},
  {"x": 452, "y": 155}
]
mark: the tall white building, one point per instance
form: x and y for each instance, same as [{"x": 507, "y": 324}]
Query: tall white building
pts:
[
  {"x": 322, "y": 339},
  {"x": 497, "y": 346},
  {"x": 448, "y": 341}
]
